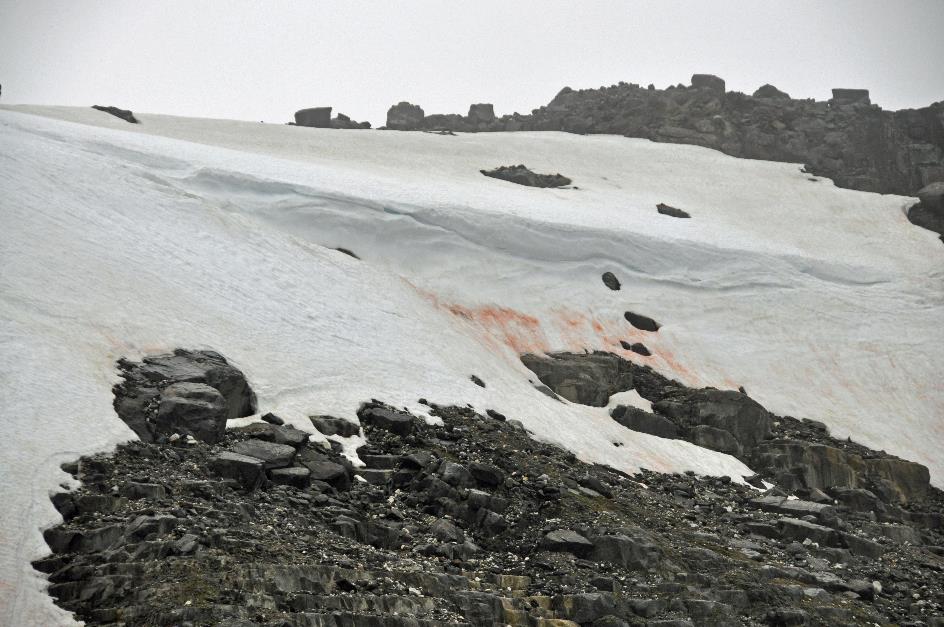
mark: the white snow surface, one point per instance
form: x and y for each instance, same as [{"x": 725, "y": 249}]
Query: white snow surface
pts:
[{"x": 120, "y": 240}]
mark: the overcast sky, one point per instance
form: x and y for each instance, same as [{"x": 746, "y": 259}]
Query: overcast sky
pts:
[{"x": 264, "y": 60}]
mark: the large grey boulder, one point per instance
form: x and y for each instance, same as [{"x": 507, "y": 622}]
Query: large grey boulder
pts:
[
  {"x": 191, "y": 409},
  {"x": 395, "y": 421},
  {"x": 405, "y": 117},
  {"x": 626, "y": 549},
  {"x": 317, "y": 117},
  {"x": 850, "y": 96},
  {"x": 769, "y": 91},
  {"x": 567, "y": 541},
  {"x": 588, "y": 379},
  {"x": 795, "y": 464},
  {"x": 248, "y": 471},
  {"x": 482, "y": 112},
  {"x": 272, "y": 455},
  {"x": 736, "y": 413},
  {"x": 708, "y": 81}
]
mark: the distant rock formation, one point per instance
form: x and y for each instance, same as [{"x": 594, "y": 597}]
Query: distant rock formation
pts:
[
  {"x": 929, "y": 213},
  {"x": 320, "y": 117},
  {"x": 124, "y": 114},
  {"x": 846, "y": 138}
]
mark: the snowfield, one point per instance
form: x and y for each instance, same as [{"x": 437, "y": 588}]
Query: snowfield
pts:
[{"x": 119, "y": 240}]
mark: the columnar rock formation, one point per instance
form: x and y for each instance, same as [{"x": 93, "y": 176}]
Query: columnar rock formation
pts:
[{"x": 846, "y": 138}]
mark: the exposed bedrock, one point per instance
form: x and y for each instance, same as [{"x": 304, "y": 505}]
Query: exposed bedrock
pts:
[
  {"x": 521, "y": 175},
  {"x": 845, "y": 138},
  {"x": 797, "y": 455},
  {"x": 929, "y": 212},
  {"x": 187, "y": 393},
  {"x": 124, "y": 114}
]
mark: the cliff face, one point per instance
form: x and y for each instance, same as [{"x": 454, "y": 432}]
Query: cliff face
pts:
[{"x": 846, "y": 138}]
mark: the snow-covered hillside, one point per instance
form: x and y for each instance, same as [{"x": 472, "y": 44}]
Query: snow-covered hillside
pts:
[{"x": 117, "y": 240}]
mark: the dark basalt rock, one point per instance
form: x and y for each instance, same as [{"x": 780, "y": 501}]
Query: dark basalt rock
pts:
[
  {"x": 139, "y": 397},
  {"x": 588, "y": 379},
  {"x": 521, "y": 175},
  {"x": 124, "y": 114},
  {"x": 643, "y": 323},
  {"x": 382, "y": 417},
  {"x": 929, "y": 213},
  {"x": 329, "y": 425},
  {"x": 666, "y": 210},
  {"x": 610, "y": 280},
  {"x": 637, "y": 347},
  {"x": 194, "y": 409},
  {"x": 342, "y": 121}
]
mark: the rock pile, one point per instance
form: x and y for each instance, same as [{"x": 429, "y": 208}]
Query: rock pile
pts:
[
  {"x": 846, "y": 138},
  {"x": 467, "y": 523},
  {"x": 320, "y": 117}
]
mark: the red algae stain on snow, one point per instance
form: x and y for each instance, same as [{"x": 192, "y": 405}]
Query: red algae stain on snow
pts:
[{"x": 517, "y": 330}]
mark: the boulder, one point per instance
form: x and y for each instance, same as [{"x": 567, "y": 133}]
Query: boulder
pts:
[
  {"x": 295, "y": 476},
  {"x": 191, "y": 409},
  {"x": 643, "y": 323},
  {"x": 731, "y": 411},
  {"x": 398, "y": 422},
  {"x": 644, "y": 421},
  {"x": 248, "y": 471},
  {"x": 567, "y": 541},
  {"x": 329, "y": 425},
  {"x": 272, "y": 455},
  {"x": 316, "y": 117},
  {"x": 799, "y": 530},
  {"x": 626, "y": 550},
  {"x": 769, "y": 91},
  {"x": 588, "y": 379},
  {"x": 798, "y": 464},
  {"x": 708, "y": 81},
  {"x": 932, "y": 197},
  {"x": 610, "y": 280},
  {"x": 898, "y": 480},
  {"x": 405, "y": 117}
]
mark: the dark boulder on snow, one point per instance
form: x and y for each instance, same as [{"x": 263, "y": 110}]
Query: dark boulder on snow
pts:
[
  {"x": 124, "y": 114},
  {"x": 405, "y": 117},
  {"x": 521, "y": 175},
  {"x": 588, "y": 379},
  {"x": 145, "y": 401},
  {"x": 382, "y": 417},
  {"x": 667, "y": 210},
  {"x": 342, "y": 121},
  {"x": 316, "y": 117},
  {"x": 329, "y": 425},
  {"x": 643, "y": 323},
  {"x": 610, "y": 280}
]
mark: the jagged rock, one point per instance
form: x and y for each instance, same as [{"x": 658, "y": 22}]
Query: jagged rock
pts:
[
  {"x": 446, "y": 531},
  {"x": 405, "y": 117},
  {"x": 279, "y": 434},
  {"x": 627, "y": 550},
  {"x": 643, "y": 323},
  {"x": 610, "y": 280},
  {"x": 272, "y": 455},
  {"x": 316, "y": 117},
  {"x": 521, "y": 175},
  {"x": 795, "y": 464},
  {"x": 191, "y": 409},
  {"x": 639, "y": 348},
  {"x": 342, "y": 121},
  {"x": 644, "y": 421},
  {"x": 455, "y": 474},
  {"x": 487, "y": 474},
  {"x": 388, "y": 419},
  {"x": 794, "y": 507},
  {"x": 769, "y": 91},
  {"x": 588, "y": 379},
  {"x": 329, "y": 425},
  {"x": 738, "y": 414},
  {"x": 799, "y": 530},
  {"x": 666, "y": 210},
  {"x": 857, "y": 499},
  {"x": 898, "y": 479},
  {"x": 124, "y": 114}
]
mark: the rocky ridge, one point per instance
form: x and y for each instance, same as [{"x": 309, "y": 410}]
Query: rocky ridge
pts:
[
  {"x": 846, "y": 138},
  {"x": 473, "y": 522}
]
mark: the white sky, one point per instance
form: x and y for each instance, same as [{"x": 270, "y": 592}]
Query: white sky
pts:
[{"x": 264, "y": 60}]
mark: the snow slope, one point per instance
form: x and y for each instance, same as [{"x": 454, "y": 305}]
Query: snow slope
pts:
[{"x": 116, "y": 240}]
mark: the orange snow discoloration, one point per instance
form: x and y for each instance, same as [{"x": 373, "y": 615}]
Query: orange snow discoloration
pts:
[
  {"x": 672, "y": 367},
  {"x": 519, "y": 331}
]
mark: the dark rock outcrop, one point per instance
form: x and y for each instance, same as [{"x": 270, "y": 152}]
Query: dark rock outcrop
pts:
[
  {"x": 645, "y": 422},
  {"x": 315, "y": 117},
  {"x": 666, "y": 210},
  {"x": 846, "y": 138},
  {"x": 521, "y": 175},
  {"x": 177, "y": 393},
  {"x": 405, "y": 117},
  {"x": 929, "y": 212},
  {"x": 124, "y": 114},
  {"x": 641, "y": 322},
  {"x": 588, "y": 379},
  {"x": 610, "y": 280}
]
